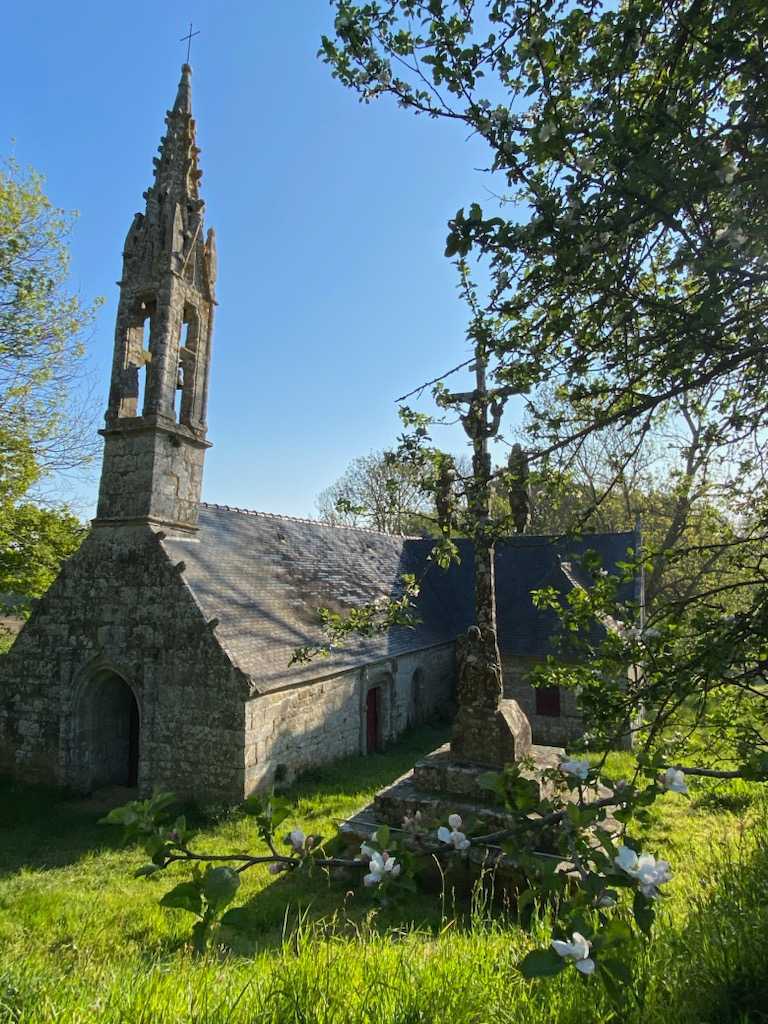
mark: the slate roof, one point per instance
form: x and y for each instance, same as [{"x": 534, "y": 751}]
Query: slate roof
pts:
[{"x": 264, "y": 577}]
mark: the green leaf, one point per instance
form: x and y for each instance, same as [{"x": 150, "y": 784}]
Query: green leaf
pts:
[
  {"x": 616, "y": 931},
  {"x": 452, "y": 245},
  {"x": 382, "y": 836},
  {"x": 618, "y": 969},
  {"x": 220, "y": 885},
  {"x": 185, "y": 896},
  {"x": 125, "y": 815},
  {"x": 541, "y": 963},
  {"x": 146, "y": 871},
  {"x": 488, "y": 780},
  {"x": 644, "y": 912}
]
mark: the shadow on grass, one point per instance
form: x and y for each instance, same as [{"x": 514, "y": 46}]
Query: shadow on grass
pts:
[
  {"x": 42, "y": 827},
  {"x": 341, "y": 904},
  {"x": 294, "y": 902}
]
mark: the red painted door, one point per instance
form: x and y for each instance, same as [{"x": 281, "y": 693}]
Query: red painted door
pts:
[{"x": 372, "y": 720}]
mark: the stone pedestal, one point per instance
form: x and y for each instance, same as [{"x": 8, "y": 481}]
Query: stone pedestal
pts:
[
  {"x": 494, "y": 738},
  {"x": 440, "y": 785}
]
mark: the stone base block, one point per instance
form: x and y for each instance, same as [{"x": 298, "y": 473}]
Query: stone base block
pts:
[
  {"x": 439, "y": 785},
  {"x": 492, "y": 738},
  {"x": 441, "y": 772}
]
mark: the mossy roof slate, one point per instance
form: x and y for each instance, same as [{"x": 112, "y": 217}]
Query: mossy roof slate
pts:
[{"x": 263, "y": 577}]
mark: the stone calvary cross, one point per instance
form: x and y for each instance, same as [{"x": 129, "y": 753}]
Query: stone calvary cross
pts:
[
  {"x": 488, "y": 728},
  {"x": 188, "y": 39}
]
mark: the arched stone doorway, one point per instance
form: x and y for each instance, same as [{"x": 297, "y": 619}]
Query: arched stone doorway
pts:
[
  {"x": 107, "y": 741},
  {"x": 376, "y": 713}
]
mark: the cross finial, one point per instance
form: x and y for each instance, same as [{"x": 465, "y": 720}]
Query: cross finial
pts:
[{"x": 188, "y": 39}]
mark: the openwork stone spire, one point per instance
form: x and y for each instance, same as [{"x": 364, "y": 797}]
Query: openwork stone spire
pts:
[{"x": 156, "y": 417}]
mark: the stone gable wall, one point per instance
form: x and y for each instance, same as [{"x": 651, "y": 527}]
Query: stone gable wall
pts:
[
  {"x": 120, "y": 606},
  {"x": 290, "y": 730}
]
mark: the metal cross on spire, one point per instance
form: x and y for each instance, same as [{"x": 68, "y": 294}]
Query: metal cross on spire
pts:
[{"x": 188, "y": 38}]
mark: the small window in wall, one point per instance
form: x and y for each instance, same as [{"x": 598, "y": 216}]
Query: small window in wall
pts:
[{"x": 548, "y": 701}]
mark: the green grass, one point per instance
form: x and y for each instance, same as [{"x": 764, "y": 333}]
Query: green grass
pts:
[{"x": 80, "y": 940}]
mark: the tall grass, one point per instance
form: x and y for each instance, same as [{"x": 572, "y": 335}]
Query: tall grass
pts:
[{"x": 82, "y": 941}]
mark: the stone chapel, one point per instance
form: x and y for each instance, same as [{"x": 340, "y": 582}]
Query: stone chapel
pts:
[{"x": 160, "y": 655}]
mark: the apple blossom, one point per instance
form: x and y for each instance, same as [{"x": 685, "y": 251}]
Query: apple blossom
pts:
[
  {"x": 674, "y": 780},
  {"x": 296, "y": 839},
  {"x": 576, "y": 950},
  {"x": 648, "y": 871},
  {"x": 381, "y": 865},
  {"x": 452, "y": 837}
]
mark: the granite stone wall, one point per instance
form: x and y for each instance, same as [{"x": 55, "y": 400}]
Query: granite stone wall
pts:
[
  {"x": 120, "y": 616},
  {"x": 291, "y": 729},
  {"x": 151, "y": 472},
  {"x": 546, "y": 730}
]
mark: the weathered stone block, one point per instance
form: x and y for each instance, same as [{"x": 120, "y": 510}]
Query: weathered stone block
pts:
[{"x": 494, "y": 738}]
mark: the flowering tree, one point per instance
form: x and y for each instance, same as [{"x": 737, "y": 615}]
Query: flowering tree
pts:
[{"x": 628, "y": 263}]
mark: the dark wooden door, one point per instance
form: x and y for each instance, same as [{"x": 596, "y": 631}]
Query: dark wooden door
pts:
[{"x": 372, "y": 720}]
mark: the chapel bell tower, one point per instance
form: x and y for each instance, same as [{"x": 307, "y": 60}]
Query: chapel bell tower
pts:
[{"x": 155, "y": 433}]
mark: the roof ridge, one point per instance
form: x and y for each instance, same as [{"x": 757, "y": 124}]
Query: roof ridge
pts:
[{"x": 300, "y": 519}]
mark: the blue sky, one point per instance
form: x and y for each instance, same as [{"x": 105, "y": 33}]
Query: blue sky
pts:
[{"x": 330, "y": 217}]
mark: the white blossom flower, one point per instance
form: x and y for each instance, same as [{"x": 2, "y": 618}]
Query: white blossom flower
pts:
[
  {"x": 576, "y": 950},
  {"x": 381, "y": 865},
  {"x": 674, "y": 780},
  {"x": 649, "y": 872},
  {"x": 626, "y": 859},
  {"x": 580, "y": 769},
  {"x": 297, "y": 839},
  {"x": 367, "y": 851},
  {"x": 546, "y": 132},
  {"x": 452, "y": 837}
]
